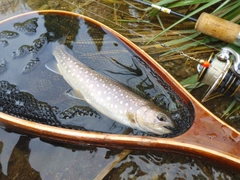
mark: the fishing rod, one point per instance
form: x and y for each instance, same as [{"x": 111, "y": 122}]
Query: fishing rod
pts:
[
  {"x": 207, "y": 24},
  {"x": 165, "y": 10},
  {"x": 222, "y": 71}
]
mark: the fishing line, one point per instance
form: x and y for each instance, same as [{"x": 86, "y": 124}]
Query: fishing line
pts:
[
  {"x": 138, "y": 19},
  {"x": 165, "y": 10}
]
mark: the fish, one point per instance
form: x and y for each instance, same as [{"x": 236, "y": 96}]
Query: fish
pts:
[{"x": 110, "y": 97}]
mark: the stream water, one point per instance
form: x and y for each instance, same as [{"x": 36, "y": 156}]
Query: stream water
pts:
[{"x": 24, "y": 54}]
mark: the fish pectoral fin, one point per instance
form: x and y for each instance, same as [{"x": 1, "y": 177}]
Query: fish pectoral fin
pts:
[
  {"x": 52, "y": 66},
  {"x": 130, "y": 117},
  {"x": 75, "y": 94}
]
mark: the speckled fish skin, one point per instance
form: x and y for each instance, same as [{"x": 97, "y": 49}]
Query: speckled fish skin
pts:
[{"x": 111, "y": 98}]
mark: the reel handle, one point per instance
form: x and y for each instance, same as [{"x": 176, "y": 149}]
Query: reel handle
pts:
[{"x": 219, "y": 28}]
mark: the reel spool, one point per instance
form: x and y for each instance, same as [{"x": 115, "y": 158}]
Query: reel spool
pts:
[{"x": 223, "y": 75}]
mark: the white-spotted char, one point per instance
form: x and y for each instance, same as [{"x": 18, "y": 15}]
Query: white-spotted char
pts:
[{"x": 112, "y": 99}]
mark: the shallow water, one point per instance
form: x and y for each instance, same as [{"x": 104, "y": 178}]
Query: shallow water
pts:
[
  {"x": 24, "y": 74},
  {"x": 23, "y": 156}
]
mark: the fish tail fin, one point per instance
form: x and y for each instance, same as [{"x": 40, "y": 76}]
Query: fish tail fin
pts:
[{"x": 58, "y": 40}]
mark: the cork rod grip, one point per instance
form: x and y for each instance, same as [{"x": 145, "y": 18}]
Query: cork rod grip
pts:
[{"x": 219, "y": 28}]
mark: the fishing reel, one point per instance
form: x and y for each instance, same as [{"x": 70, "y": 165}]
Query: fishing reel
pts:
[{"x": 222, "y": 76}]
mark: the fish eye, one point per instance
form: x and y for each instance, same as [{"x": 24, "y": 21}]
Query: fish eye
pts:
[{"x": 161, "y": 117}]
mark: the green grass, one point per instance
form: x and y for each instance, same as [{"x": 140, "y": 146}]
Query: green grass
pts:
[{"x": 228, "y": 10}]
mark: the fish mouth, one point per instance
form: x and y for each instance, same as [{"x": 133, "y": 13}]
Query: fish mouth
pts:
[
  {"x": 164, "y": 130},
  {"x": 170, "y": 129}
]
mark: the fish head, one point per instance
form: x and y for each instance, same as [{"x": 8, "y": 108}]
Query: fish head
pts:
[{"x": 152, "y": 118}]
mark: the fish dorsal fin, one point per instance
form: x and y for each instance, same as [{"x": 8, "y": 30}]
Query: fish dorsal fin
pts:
[
  {"x": 75, "y": 94},
  {"x": 52, "y": 66}
]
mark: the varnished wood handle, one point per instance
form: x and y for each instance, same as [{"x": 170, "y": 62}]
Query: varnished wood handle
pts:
[{"x": 219, "y": 28}]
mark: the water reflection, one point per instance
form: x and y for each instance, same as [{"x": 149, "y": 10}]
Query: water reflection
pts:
[
  {"x": 60, "y": 162},
  {"x": 18, "y": 163},
  {"x": 33, "y": 92},
  {"x": 27, "y": 158},
  {"x": 96, "y": 34}
]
